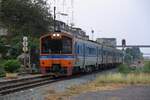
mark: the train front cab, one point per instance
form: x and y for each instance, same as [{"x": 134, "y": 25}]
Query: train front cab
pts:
[{"x": 56, "y": 53}]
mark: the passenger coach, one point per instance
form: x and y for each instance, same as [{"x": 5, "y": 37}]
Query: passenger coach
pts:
[{"x": 66, "y": 54}]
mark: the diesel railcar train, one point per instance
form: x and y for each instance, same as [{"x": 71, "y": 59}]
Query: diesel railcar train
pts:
[{"x": 63, "y": 53}]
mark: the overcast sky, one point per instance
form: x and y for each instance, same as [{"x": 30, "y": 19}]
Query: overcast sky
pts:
[{"x": 129, "y": 19}]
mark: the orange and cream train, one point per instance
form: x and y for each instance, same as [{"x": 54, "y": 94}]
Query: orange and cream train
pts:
[{"x": 63, "y": 53}]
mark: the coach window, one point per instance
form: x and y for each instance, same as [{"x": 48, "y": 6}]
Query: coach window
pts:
[
  {"x": 78, "y": 49},
  {"x": 99, "y": 51},
  {"x": 86, "y": 51},
  {"x": 81, "y": 50}
]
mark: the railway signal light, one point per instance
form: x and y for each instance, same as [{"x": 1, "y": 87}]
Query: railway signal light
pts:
[
  {"x": 25, "y": 44},
  {"x": 25, "y": 49},
  {"x": 123, "y": 42}
]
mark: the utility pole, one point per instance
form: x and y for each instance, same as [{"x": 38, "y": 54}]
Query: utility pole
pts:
[
  {"x": 54, "y": 18},
  {"x": 72, "y": 13},
  {"x": 92, "y": 34},
  {"x": 123, "y": 50},
  {"x": 72, "y": 5}
]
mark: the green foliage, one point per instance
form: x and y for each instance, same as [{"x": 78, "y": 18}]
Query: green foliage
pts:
[
  {"x": 147, "y": 67},
  {"x": 2, "y": 43},
  {"x": 12, "y": 66},
  {"x": 2, "y": 62},
  {"x": 133, "y": 53},
  {"x": 2, "y": 48},
  {"x": 13, "y": 49},
  {"x": 126, "y": 69},
  {"x": 25, "y": 16},
  {"x": 16, "y": 43},
  {"x": 128, "y": 58},
  {"x": 3, "y": 40},
  {"x": 2, "y": 71},
  {"x": 123, "y": 68}
]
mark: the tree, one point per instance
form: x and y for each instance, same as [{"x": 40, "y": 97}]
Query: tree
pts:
[
  {"x": 25, "y": 16},
  {"x": 133, "y": 53},
  {"x": 3, "y": 48}
]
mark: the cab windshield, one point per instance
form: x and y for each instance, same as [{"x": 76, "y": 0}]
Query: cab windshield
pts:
[{"x": 62, "y": 45}]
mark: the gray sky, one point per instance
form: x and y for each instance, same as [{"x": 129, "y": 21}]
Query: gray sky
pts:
[{"x": 129, "y": 19}]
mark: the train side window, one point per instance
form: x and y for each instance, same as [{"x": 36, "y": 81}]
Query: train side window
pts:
[
  {"x": 87, "y": 51},
  {"x": 94, "y": 51},
  {"x": 100, "y": 52},
  {"x": 78, "y": 49},
  {"x": 81, "y": 48},
  {"x": 90, "y": 51}
]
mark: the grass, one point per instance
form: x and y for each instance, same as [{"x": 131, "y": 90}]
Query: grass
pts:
[
  {"x": 131, "y": 78},
  {"x": 125, "y": 77},
  {"x": 103, "y": 82},
  {"x": 129, "y": 75}
]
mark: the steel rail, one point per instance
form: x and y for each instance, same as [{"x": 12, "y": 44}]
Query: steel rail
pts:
[{"x": 17, "y": 85}]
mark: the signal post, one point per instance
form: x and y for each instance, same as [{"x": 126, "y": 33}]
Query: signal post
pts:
[{"x": 26, "y": 56}]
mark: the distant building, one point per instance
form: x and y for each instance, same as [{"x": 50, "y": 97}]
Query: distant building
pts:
[{"x": 3, "y": 31}]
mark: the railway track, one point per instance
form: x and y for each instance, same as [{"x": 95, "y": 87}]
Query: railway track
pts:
[
  {"x": 16, "y": 85},
  {"x": 11, "y": 86},
  {"x": 7, "y": 87}
]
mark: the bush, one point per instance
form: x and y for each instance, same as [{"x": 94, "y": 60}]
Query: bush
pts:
[
  {"x": 147, "y": 67},
  {"x": 12, "y": 66},
  {"x": 124, "y": 68},
  {"x": 2, "y": 71}
]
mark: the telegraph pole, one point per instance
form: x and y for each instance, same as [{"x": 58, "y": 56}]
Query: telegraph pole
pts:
[
  {"x": 92, "y": 34},
  {"x": 123, "y": 50},
  {"x": 54, "y": 18}
]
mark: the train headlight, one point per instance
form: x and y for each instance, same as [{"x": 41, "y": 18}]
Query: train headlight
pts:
[
  {"x": 54, "y": 35},
  {"x": 58, "y": 35}
]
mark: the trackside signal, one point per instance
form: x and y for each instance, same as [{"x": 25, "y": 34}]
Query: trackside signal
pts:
[{"x": 25, "y": 44}]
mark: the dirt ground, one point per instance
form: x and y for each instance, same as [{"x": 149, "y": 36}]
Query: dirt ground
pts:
[{"x": 127, "y": 93}]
